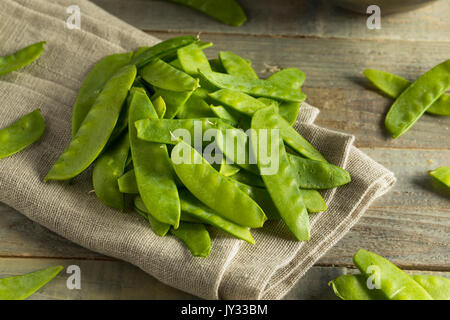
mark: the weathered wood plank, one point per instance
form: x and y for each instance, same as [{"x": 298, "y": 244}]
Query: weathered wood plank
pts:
[{"x": 298, "y": 18}]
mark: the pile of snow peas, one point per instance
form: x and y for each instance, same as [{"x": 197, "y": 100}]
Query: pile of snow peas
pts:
[
  {"x": 124, "y": 120},
  {"x": 381, "y": 280}
]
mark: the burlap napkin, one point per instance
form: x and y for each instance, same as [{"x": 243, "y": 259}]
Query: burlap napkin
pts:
[{"x": 234, "y": 270}]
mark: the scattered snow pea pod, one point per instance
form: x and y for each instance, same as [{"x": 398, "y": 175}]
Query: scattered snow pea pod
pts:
[
  {"x": 226, "y": 11},
  {"x": 192, "y": 59},
  {"x": 174, "y": 100},
  {"x": 393, "y": 85},
  {"x": 152, "y": 167},
  {"x": 393, "y": 282},
  {"x": 289, "y": 111},
  {"x": 193, "y": 207},
  {"x": 159, "y": 228},
  {"x": 354, "y": 287},
  {"x": 195, "y": 107},
  {"x": 437, "y": 287},
  {"x": 417, "y": 98},
  {"x": 227, "y": 169},
  {"x": 96, "y": 128},
  {"x": 292, "y": 78},
  {"x": 235, "y": 65},
  {"x": 238, "y": 101},
  {"x": 313, "y": 174},
  {"x": 222, "y": 195},
  {"x": 442, "y": 175},
  {"x": 21, "y": 58},
  {"x": 21, "y": 134},
  {"x": 21, "y": 287},
  {"x": 165, "y": 48},
  {"x": 253, "y": 87},
  {"x": 224, "y": 114},
  {"x": 282, "y": 185},
  {"x": 127, "y": 183},
  {"x": 108, "y": 168},
  {"x": 160, "y": 106},
  {"x": 313, "y": 200},
  {"x": 93, "y": 85},
  {"x": 195, "y": 237},
  {"x": 162, "y": 75}
]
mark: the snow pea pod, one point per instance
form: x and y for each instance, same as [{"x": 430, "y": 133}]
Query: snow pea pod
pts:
[
  {"x": 127, "y": 183},
  {"x": 195, "y": 107},
  {"x": 292, "y": 78},
  {"x": 21, "y": 134},
  {"x": 226, "y": 11},
  {"x": 417, "y": 98},
  {"x": 393, "y": 85},
  {"x": 393, "y": 282},
  {"x": 159, "y": 228},
  {"x": 192, "y": 59},
  {"x": 442, "y": 175},
  {"x": 162, "y": 75},
  {"x": 253, "y": 87},
  {"x": 93, "y": 84},
  {"x": 282, "y": 185},
  {"x": 289, "y": 111},
  {"x": 96, "y": 128},
  {"x": 227, "y": 169},
  {"x": 437, "y": 287},
  {"x": 165, "y": 48},
  {"x": 160, "y": 106},
  {"x": 223, "y": 113},
  {"x": 235, "y": 65},
  {"x": 221, "y": 195},
  {"x": 314, "y": 174},
  {"x": 174, "y": 100},
  {"x": 152, "y": 166},
  {"x": 21, "y": 287},
  {"x": 354, "y": 287},
  {"x": 193, "y": 207},
  {"x": 108, "y": 168},
  {"x": 21, "y": 58},
  {"x": 238, "y": 101},
  {"x": 195, "y": 237}
]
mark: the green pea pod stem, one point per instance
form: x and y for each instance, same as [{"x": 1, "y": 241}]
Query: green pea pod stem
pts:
[
  {"x": 442, "y": 175},
  {"x": 162, "y": 75},
  {"x": 193, "y": 207},
  {"x": 21, "y": 134},
  {"x": 152, "y": 166},
  {"x": 226, "y": 11},
  {"x": 313, "y": 174},
  {"x": 160, "y": 106},
  {"x": 174, "y": 100},
  {"x": 21, "y": 287},
  {"x": 235, "y": 65},
  {"x": 282, "y": 185},
  {"x": 195, "y": 237},
  {"x": 127, "y": 183},
  {"x": 165, "y": 48},
  {"x": 417, "y": 98},
  {"x": 393, "y": 85},
  {"x": 96, "y": 128},
  {"x": 221, "y": 195},
  {"x": 159, "y": 228},
  {"x": 192, "y": 59},
  {"x": 21, "y": 58},
  {"x": 253, "y": 87},
  {"x": 354, "y": 287},
  {"x": 93, "y": 85},
  {"x": 108, "y": 168},
  {"x": 437, "y": 287},
  {"x": 393, "y": 282}
]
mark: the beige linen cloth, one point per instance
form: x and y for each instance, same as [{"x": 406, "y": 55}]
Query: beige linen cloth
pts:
[{"x": 235, "y": 269}]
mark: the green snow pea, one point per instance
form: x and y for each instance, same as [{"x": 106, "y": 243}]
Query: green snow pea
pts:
[
  {"x": 394, "y": 283},
  {"x": 313, "y": 174},
  {"x": 159, "y": 228},
  {"x": 163, "y": 49},
  {"x": 253, "y": 87},
  {"x": 108, "y": 168},
  {"x": 93, "y": 85},
  {"x": 393, "y": 85},
  {"x": 21, "y": 134},
  {"x": 291, "y": 78},
  {"x": 437, "y": 287},
  {"x": 282, "y": 185},
  {"x": 238, "y": 101},
  {"x": 160, "y": 106},
  {"x": 313, "y": 200},
  {"x": 192, "y": 206},
  {"x": 96, "y": 128},
  {"x": 354, "y": 287},
  {"x": 127, "y": 183},
  {"x": 442, "y": 175},
  {"x": 227, "y": 169},
  {"x": 152, "y": 166},
  {"x": 162, "y": 75},
  {"x": 289, "y": 111},
  {"x": 195, "y": 107},
  {"x": 235, "y": 65},
  {"x": 195, "y": 237},
  {"x": 226, "y": 11},
  {"x": 224, "y": 114},
  {"x": 417, "y": 98},
  {"x": 221, "y": 195},
  {"x": 21, "y": 58},
  {"x": 174, "y": 100},
  {"x": 121, "y": 125},
  {"x": 248, "y": 178},
  {"x": 192, "y": 59},
  {"x": 21, "y": 287}
]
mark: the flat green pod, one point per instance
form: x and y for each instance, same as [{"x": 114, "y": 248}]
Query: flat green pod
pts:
[
  {"x": 192, "y": 59},
  {"x": 195, "y": 237},
  {"x": 195, "y": 107},
  {"x": 354, "y": 287},
  {"x": 437, "y": 287},
  {"x": 236, "y": 65},
  {"x": 21, "y": 134},
  {"x": 442, "y": 175},
  {"x": 21, "y": 58},
  {"x": 160, "y": 106},
  {"x": 159, "y": 228},
  {"x": 127, "y": 183},
  {"x": 174, "y": 100},
  {"x": 292, "y": 78}
]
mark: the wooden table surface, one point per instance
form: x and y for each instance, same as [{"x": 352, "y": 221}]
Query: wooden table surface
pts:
[{"x": 410, "y": 225}]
